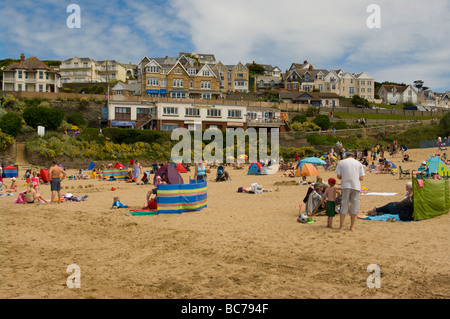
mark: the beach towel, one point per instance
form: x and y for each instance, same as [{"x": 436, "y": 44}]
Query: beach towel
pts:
[
  {"x": 7, "y": 194},
  {"x": 380, "y": 194},
  {"x": 141, "y": 212},
  {"x": 383, "y": 217}
]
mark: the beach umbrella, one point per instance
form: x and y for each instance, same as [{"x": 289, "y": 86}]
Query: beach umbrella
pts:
[
  {"x": 313, "y": 160},
  {"x": 393, "y": 166},
  {"x": 307, "y": 169}
]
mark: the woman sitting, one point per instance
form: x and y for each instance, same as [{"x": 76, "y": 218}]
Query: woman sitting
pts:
[
  {"x": 403, "y": 208},
  {"x": 32, "y": 195}
]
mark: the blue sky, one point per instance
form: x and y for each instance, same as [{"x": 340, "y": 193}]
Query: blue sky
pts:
[{"x": 411, "y": 43}]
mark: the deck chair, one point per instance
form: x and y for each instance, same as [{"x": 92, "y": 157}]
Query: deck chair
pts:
[{"x": 402, "y": 173}]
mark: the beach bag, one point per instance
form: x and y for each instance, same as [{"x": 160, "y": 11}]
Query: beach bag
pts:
[{"x": 152, "y": 204}]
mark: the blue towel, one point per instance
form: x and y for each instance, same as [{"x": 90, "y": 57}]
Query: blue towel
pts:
[{"x": 383, "y": 217}]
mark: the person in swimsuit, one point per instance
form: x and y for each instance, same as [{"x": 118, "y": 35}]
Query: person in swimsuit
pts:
[
  {"x": 32, "y": 195},
  {"x": 54, "y": 174},
  {"x": 200, "y": 172}
]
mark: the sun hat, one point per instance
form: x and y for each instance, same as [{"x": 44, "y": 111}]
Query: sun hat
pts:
[
  {"x": 13, "y": 179},
  {"x": 317, "y": 185},
  {"x": 424, "y": 163}
]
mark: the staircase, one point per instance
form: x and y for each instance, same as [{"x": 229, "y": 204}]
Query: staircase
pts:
[
  {"x": 142, "y": 121},
  {"x": 21, "y": 162}
]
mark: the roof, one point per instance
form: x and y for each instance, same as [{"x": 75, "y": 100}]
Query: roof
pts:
[
  {"x": 399, "y": 88},
  {"x": 31, "y": 63}
]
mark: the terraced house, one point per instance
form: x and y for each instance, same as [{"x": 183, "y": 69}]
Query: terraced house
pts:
[
  {"x": 304, "y": 77},
  {"x": 233, "y": 78},
  {"x": 30, "y": 75}
]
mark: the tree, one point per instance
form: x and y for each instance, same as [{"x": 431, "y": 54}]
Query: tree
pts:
[
  {"x": 11, "y": 124},
  {"x": 299, "y": 118},
  {"x": 48, "y": 117},
  {"x": 323, "y": 121},
  {"x": 357, "y": 100},
  {"x": 444, "y": 125},
  {"x": 76, "y": 119}
]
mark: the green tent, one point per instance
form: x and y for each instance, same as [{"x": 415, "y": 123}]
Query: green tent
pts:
[{"x": 431, "y": 200}]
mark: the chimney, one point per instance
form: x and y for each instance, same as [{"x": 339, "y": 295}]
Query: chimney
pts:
[
  {"x": 304, "y": 62},
  {"x": 22, "y": 57}
]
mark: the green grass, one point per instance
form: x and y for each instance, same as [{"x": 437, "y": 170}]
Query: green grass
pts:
[{"x": 382, "y": 116}]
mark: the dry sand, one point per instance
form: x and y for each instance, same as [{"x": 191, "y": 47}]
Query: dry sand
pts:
[{"x": 240, "y": 246}]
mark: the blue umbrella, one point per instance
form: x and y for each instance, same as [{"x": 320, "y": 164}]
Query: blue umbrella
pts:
[{"x": 313, "y": 160}]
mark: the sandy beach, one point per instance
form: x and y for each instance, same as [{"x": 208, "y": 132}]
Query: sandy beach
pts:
[{"x": 240, "y": 246}]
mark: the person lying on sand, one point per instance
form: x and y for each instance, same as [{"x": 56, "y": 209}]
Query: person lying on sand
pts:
[{"x": 13, "y": 187}]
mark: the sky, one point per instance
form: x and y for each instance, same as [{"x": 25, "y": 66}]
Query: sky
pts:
[{"x": 392, "y": 40}]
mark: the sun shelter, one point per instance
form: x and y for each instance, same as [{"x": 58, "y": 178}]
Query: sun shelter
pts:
[
  {"x": 119, "y": 166},
  {"x": 431, "y": 198},
  {"x": 180, "y": 168},
  {"x": 43, "y": 174},
  {"x": 180, "y": 198},
  {"x": 173, "y": 176},
  {"x": 436, "y": 165},
  {"x": 307, "y": 169},
  {"x": 254, "y": 169},
  {"x": 117, "y": 173},
  {"x": 393, "y": 166},
  {"x": 91, "y": 166},
  {"x": 10, "y": 171}
]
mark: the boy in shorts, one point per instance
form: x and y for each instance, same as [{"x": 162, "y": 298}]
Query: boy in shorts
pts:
[{"x": 330, "y": 196}]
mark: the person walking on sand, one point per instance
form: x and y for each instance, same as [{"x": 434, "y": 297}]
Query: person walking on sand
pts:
[
  {"x": 351, "y": 173},
  {"x": 54, "y": 174}
]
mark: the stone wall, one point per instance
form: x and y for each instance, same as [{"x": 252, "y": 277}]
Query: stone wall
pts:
[{"x": 90, "y": 110}]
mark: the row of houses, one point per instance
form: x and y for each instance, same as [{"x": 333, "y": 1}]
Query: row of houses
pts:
[{"x": 200, "y": 76}]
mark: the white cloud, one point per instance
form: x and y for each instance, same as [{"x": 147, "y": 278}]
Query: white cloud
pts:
[{"x": 411, "y": 44}]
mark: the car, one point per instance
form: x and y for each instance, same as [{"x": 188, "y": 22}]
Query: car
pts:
[{"x": 362, "y": 106}]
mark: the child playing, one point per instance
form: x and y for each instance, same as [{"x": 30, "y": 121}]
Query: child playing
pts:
[{"x": 330, "y": 197}]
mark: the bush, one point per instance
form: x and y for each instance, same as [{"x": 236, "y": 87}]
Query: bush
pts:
[
  {"x": 444, "y": 125},
  {"x": 5, "y": 141},
  {"x": 299, "y": 118},
  {"x": 76, "y": 119},
  {"x": 11, "y": 124},
  {"x": 321, "y": 139},
  {"x": 47, "y": 117},
  {"x": 340, "y": 125},
  {"x": 323, "y": 121}
]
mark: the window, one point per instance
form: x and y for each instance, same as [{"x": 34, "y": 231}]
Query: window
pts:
[
  {"x": 320, "y": 87},
  {"x": 192, "y": 71},
  {"x": 178, "y": 71},
  {"x": 119, "y": 92},
  {"x": 307, "y": 88},
  {"x": 363, "y": 90},
  {"x": 206, "y": 96},
  {"x": 352, "y": 90},
  {"x": 67, "y": 65},
  {"x": 234, "y": 113},
  {"x": 251, "y": 115},
  {"x": 169, "y": 127},
  {"x": 192, "y": 111},
  {"x": 75, "y": 64},
  {"x": 153, "y": 82},
  {"x": 240, "y": 75},
  {"x": 239, "y": 83},
  {"x": 369, "y": 82},
  {"x": 19, "y": 87},
  {"x": 170, "y": 110},
  {"x": 363, "y": 82},
  {"x": 163, "y": 82},
  {"x": 85, "y": 64},
  {"x": 19, "y": 74},
  {"x": 205, "y": 84},
  {"x": 46, "y": 76},
  {"x": 179, "y": 95},
  {"x": 41, "y": 75},
  {"x": 41, "y": 88},
  {"x": 205, "y": 72},
  {"x": 153, "y": 69},
  {"x": 191, "y": 84},
  {"x": 240, "y": 68},
  {"x": 333, "y": 87},
  {"x": 178, "y": 82},
  {"x": 123, "y": 110},
  {"x": 214, "y": 112}
]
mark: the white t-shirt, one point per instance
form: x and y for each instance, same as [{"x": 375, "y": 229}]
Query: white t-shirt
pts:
[{"x": 350, "y": 170}]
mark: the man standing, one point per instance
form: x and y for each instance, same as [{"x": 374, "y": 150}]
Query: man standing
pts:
[
  {"x": 351, "y": 173},
  {"x": 54, "y": 174}
]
